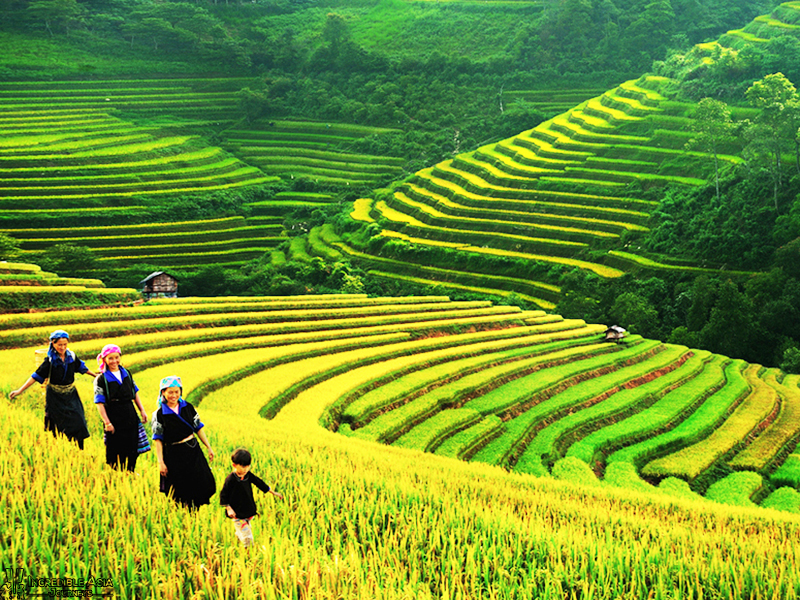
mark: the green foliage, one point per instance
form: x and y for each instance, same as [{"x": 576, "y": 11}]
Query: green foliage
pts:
[
  {"x": 791, "y": 360},
  {"x": 67, "y": 259},
  {"x": 754, "y": 321},
  {"x": 9, "y": 247},
  {"x": 713, "y": 129}
]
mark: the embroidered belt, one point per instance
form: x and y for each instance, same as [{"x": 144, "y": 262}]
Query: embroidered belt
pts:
[
  {"x": 183, "y": 441},
  {"x": 62, "y": 389}
]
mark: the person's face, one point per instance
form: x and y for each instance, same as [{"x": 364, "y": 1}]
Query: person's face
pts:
[
  {"x": 60, "y": 345},
  {"x": 172, "y": 395},
  {"x": 240, "y": 470},
  {"x": 112, "y": 362}
]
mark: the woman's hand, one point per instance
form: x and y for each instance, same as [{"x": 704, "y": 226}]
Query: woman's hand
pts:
[
  {"x": 108, "y": 427},
  {"x": 162, "y": 468},
  {"x": 14, "y": 394},
  {"x": 144, "y": 419},
  {"x": 231, "y": 512},
  {"x": 210, "y": 453}
]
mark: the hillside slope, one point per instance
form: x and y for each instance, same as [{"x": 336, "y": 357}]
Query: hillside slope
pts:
[
  {"x": 525, "y": 390},
  {"x": 366, "y": 520}
]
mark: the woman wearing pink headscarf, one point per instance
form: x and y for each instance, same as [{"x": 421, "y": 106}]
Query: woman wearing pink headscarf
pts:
[{"x": 115, "y": 394}]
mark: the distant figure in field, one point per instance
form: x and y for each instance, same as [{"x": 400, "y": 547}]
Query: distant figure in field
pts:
[
  {"x": 63, "y": 410},
  {"x": 115, "y": 394},
  {"x": 183, "y": 467},
  {"x": 236, "y": 496}
]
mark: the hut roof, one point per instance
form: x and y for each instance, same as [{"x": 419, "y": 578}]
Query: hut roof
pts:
[{"x": 156, "y": 274}]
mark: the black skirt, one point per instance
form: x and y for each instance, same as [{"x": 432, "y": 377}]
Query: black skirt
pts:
[
  {"x": 63, "y": 413},
  {"x": 189, "y": 479},
  {"x": 123, "y": 444}
]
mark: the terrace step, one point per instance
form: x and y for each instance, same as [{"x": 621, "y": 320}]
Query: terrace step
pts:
[{"x": 691, "y": 461}]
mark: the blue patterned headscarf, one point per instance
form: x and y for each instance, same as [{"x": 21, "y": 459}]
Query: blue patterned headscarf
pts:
[
  {"x": 168, "y": 382},
  {"x": 51, "y": 352}
]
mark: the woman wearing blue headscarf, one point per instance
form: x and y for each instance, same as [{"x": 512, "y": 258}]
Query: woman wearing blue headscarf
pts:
[
  {"x": 63, "y": 410},
  {"x": 184, "y": 470}
]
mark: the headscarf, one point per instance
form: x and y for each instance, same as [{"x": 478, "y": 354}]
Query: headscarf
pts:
[
  {"x": 58, "y": 334},
  {"x": 101, "y": 358},
  {"x": 51, "y": 351},
  {"x": 168, "y": 382}
]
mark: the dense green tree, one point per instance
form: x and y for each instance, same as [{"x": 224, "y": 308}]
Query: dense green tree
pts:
[
  {"x": 68, "y": 260},
  {"x": 58, "y": 15},
  {"x": 788, "y": 257},
  {"x": 776, "y": 97},
  {"x": 729, "y": 329},
  {"x": 9, "y": 247},
  {"x": 637, "y": 314},
  {"x": 791, "y": 360},
  {"x": 651, "y": 32},
  {"x": 713, "y": 128}
]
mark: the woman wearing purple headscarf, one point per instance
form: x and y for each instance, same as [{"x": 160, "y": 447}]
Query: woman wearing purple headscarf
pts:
[
  {"x": 115, "y": 394},
  {"x": 184, "y": 470},
  {"x": 63, "y": 410}
]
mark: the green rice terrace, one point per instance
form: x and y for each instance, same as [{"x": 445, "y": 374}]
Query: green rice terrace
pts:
[
  {"x": 561, "y": 193},
  {"x": 24, "y": 287},
  {"x": 527, "y": 391},
  {"x": 68, "y": 156},
  {"x": 293, "y": 149}
]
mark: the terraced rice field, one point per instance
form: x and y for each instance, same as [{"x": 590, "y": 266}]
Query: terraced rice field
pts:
[
  {"x": 524, "y": 390},
  {"x": 24, "y": 287},
  {"x": 566, "y": 193},
  {"x": 553, "y": 101},
  {"x": 784, "y": 20},
  {"x": 73, "y": 169},
  {"x": 316, "y": 151},
  {"x": 82, "y": 161},
  {"x": 203, "y": 100}
]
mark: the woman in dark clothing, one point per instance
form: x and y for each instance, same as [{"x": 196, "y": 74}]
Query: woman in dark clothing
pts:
[
  {"x": 183, "y": 467},
  {"x": 63, "y": 410},
  {"x": 114, "y": 395}
]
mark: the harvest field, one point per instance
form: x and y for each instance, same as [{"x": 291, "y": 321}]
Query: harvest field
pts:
[{"x": 337, "y": 397}]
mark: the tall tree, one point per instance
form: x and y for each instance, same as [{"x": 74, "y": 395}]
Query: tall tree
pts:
[
  {"x": 651, "y": 32},
  {"x": 776, "y": 96},
  {"x": 713, "y": 127},
  {"x": 59, "y": 14}
]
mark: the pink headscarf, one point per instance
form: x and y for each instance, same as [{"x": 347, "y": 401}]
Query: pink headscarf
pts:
[{"x": 101, "y": 358}]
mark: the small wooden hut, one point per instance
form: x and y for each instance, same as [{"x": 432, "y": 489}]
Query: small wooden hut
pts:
[
  {"x": 159, "y": 284},
  {"x": 615, "y": 333}
]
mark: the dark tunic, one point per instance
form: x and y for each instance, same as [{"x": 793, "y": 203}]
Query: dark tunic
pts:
[
  {"x": 238, "y": 494},
  {"x": 122, "y": 446},
  {"x": 63, "y": 410},
  {"x": 189, "y": 478}
]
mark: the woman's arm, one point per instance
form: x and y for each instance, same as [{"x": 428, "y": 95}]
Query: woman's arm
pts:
[
  {"x": 22, "y": 388},
  {"x": 202, "y": 435},
  {"x": 141, "y": 407},
  {"x": 107, "y": 424},
  {"x": 162, "y": 466}
]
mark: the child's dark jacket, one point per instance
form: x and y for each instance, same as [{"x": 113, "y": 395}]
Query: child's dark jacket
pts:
[{"x": 238, "y": 494}]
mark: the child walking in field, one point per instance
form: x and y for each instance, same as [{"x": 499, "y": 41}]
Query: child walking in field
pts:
[{"x": 237, "y": 495}]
